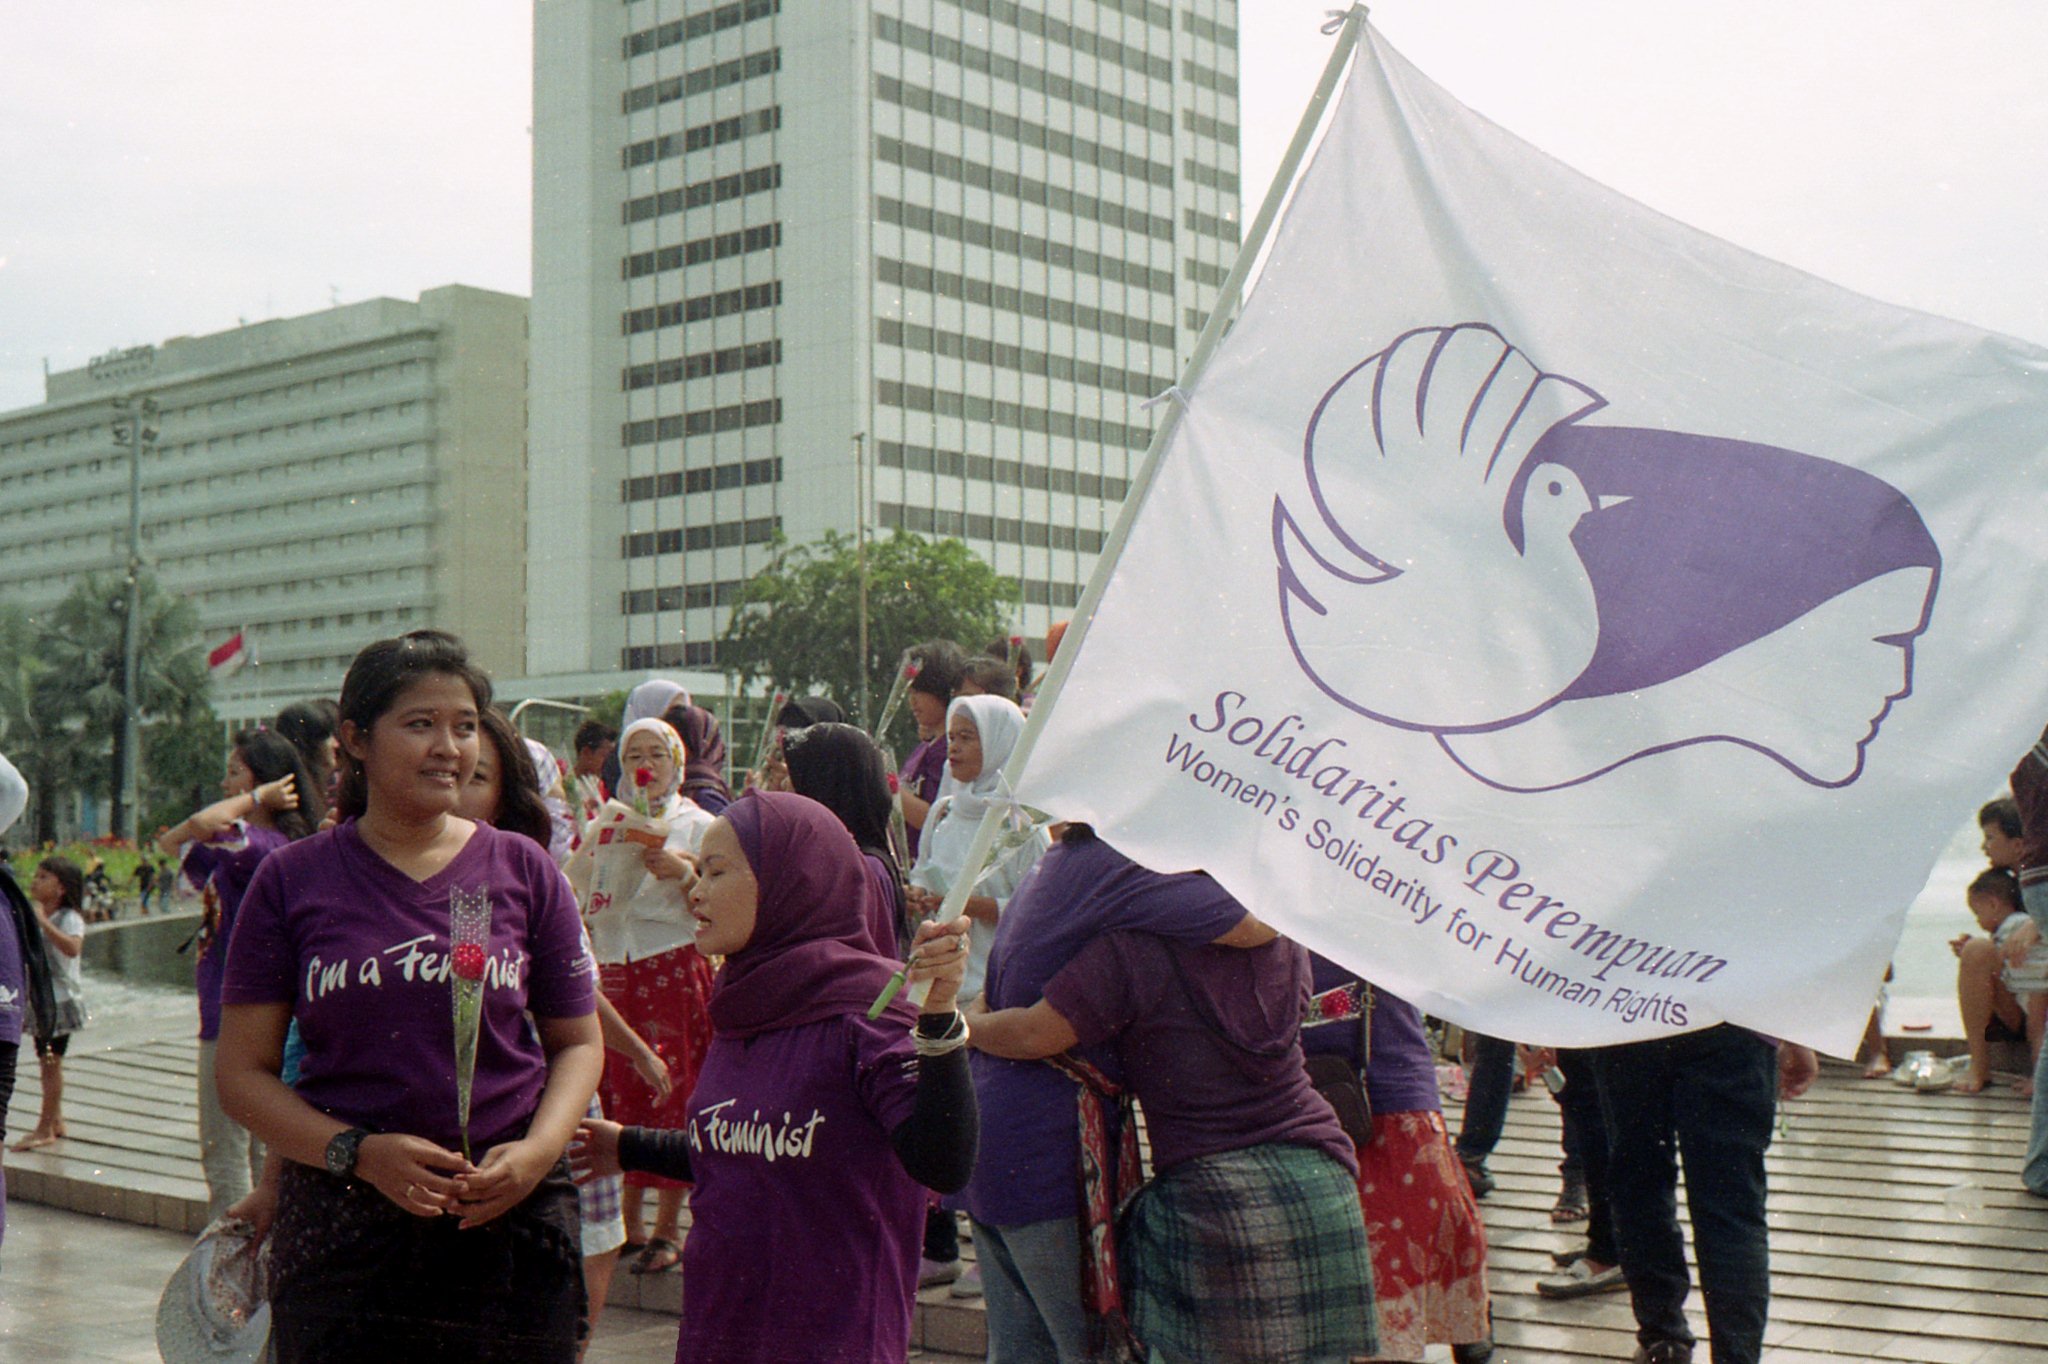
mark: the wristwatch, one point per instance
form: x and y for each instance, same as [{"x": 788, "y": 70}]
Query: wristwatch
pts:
[{"x": 341, "y": 1152}]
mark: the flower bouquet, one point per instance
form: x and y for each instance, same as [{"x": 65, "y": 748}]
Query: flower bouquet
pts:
[{"x": 469, "y": 934}]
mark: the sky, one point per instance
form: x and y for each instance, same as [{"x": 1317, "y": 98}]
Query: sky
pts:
[{"x": 173, "y": 170}]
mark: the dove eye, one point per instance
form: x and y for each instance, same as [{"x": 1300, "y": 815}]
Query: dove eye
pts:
[{"x": 1556, "y": 488}]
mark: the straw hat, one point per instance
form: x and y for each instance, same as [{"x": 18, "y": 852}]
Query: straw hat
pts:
[{"x": 215, "y": 1309}]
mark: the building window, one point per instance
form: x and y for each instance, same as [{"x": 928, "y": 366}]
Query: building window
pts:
[
  {"x": 976, "y": 350},
  {"x": 720, "y": 247},
  {"x": 703, "y": 135},
  {"x": 750, "y": 474},
  {"x": 722, "y": 304},
  {"x": 1033, "y": 78},
  {"x": 975, "y": 232},
  {"x": 704, "y": 422},
  {"x": 1093, "y": 430},
  {"x": 946, "y": 166},
  {"x": 698, "y": 25},
  {"x": 718, "y": 190},
  {"x": 702, "y": 365},
  {"x": 719, "y": 535},
  {"x": 946, "y": 284},
  {"x": 923, "y": 459},
  {"x": 1023, "y": 131},
  {"x": 975, "y": 526},
  {"x": 714, "y": 77}
]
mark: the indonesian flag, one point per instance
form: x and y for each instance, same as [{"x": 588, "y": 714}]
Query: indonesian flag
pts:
[
  {"x": 227, "y": 659},
  {"x": 1579, "y": 626}
]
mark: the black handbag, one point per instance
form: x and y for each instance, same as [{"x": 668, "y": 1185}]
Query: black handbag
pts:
[{"x": 1333, "y": 1075}]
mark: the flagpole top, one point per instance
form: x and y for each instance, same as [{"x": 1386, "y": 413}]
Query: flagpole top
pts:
[{"x": 1337, "y": 17}]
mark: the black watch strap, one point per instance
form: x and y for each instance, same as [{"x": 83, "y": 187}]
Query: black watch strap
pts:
[{"x": 342, "y": 1149}]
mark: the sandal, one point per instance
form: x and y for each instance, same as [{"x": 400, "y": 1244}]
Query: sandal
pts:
[
  {"x": 1571, "y": 1205},
  {"x": 657, "y": 1256}
]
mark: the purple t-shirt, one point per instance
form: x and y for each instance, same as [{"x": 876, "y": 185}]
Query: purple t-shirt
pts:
[
  {"x": 228, "y": 863},
  {"x": 13, "y": 978},
  {"x": 805, "y": 1229},
  {"x": 920, "y": 775},
  {"x": 1030, "y": 1137},
  {"x": 1210, "y": 1040},
  {"x": 1402, "y": 1076},
  {"x": 360, "y": 951}
]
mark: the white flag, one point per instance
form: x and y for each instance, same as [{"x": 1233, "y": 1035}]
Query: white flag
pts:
[{"x": 1583, "y": 627}]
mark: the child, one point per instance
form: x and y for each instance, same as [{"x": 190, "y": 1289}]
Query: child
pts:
[
  {"x": 1991, "y": 1010},
  {"x": 57, "y": 895}
]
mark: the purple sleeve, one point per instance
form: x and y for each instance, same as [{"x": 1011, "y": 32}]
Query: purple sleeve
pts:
[
  {"x": 1094, "y": 992},
  {"x": 882, "y": 909},
  {"x": 560, "y": 984},
  {"x": 262, "y": 967},
  {"x": 884, "y": 1069},
  {"x": 1187, "y": 908},
  {"x": 200, "y": 860}
]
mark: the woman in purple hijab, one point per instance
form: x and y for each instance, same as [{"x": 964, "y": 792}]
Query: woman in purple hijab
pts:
[
  {"x": 814, "y": 1130},
  {"x": 704, "y": 772}
]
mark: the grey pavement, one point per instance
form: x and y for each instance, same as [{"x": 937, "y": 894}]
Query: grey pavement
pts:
[{"x": 85, "y": 1289}]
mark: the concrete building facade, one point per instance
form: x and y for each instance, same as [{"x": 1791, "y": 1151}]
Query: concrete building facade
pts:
[
  {"x": 321, "y": 481},
  {"x": 797, "y": 266}
]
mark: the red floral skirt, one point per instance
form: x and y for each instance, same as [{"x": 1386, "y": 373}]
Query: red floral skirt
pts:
[
  {"x": 666, "y": 999},
  {"x": 1428, "y": 1244}
]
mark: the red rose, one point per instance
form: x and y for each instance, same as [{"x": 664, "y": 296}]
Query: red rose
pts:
[
  {"x": 910, "y": 672},
  {"x": 468, "y": 960},
  {"x": 643, "y": 777},
  {"x": 894, "y": 784}
]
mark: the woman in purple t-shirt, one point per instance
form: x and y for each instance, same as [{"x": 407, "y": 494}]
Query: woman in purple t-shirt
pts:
[
  {"x": 813, "y": 1126},
  {"x": 940, "y": 667},
  {"x": 271, "y": 799},
  {"x": 389, "y": 1239},
  {"x": 1248, "y": 1245}
]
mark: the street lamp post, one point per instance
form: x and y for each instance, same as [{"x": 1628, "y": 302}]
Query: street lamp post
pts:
[
  {"x": 136, "y": 428},
  {"x": 862, "y": 496}
]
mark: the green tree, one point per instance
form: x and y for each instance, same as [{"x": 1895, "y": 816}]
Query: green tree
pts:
[
  {"x": 182, "y": 761},
  {"x": 82, "y": 645},
  {"x": 39, "y": 728},
  {"x": 796, "y": 626}
]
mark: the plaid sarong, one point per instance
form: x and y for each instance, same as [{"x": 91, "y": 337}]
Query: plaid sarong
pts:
[
  {"x": 600, "y": 1205},
  {"x": 1255, "y": 1256}
]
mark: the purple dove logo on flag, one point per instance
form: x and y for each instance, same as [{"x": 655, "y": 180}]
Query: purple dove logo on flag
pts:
[{"x": 1553, "y": 599}]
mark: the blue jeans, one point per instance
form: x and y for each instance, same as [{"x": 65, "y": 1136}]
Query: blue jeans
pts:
[
  {"x": 1708, "y": 1098},
  {"x": 1031, "y": 1287},
  {"x": 1486, "y": 1098}
]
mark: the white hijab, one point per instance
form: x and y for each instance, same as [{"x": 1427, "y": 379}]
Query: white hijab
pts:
[
  {"x": 957, "y": 811},
  {"x": 956, "y": 816},
  {"x": 651, "y": 700},
  {"x": 657, "y": 919},
  {"x": 663, "y": 800}
]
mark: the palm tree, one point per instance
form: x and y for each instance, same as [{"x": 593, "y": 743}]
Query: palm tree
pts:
[
  {"x": 38, "y": 720},
  {"x": 82, "y": 645}
]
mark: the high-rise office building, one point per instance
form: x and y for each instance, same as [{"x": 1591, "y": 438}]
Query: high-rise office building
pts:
[
  {"x": 797, "y": 263},
  {"x": 320, "y": 481}
]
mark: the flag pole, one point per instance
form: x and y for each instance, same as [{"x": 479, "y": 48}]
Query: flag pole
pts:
[{"x": 1227, "y": 300}]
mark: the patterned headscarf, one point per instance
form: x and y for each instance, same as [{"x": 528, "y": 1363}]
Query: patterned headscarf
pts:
[{"x": 663, "y": 799}]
